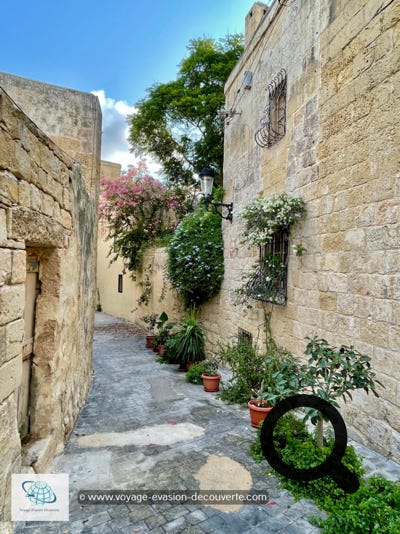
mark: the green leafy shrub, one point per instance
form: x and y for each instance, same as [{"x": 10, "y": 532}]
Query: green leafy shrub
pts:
[
  {"x": 287, "y": 428},
  {"x": 194, "y": 373},
  {"x": 304, "y": 454},
  {"x": 374, "y": 508},
  {"x": 247, "y": 365},
  {"x": 196, "y": 257},
  {"x": 334, "y": 372},
  {"x": 266, "y": 376}
]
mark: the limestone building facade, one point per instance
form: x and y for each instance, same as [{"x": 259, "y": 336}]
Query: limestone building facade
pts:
[
  {"x": 49, "y": 168},
  {"x": 339, "y": 151}
]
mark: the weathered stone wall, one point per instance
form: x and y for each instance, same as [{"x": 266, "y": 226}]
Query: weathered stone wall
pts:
[
  {"x": 72, "y": 119},
  {"x": 340, "y": 154},
  {"x": 46, "y": 213}
]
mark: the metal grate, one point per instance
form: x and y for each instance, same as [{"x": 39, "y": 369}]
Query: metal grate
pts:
[
  {"x": 273, "y": 122},
  {"x": 269, "y": 282},
  {"x": 244, "y": 336}
]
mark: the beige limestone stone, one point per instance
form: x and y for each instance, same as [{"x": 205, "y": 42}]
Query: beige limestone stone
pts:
[
  {"x": 222, "y": 473},
  {"x": 14, "y": 337},
  {"x": 44, "y": 175},
  {"x": 5, "y": 266},
  {"x": 18, "y": 267},
  {"x": 10, "y": 377},
  {"x": 11, "y": 303}
]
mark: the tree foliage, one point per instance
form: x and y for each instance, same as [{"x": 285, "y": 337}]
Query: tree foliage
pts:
[
  {"x": 139, "y": 210},
  {"x": 179, "y": 122}
]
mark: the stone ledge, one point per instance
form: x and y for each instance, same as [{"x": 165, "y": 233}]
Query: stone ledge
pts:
[{"x": 37, "y": 455}]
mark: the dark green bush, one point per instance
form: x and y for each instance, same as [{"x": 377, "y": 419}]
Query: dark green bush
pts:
[
  {"x": 287, "y": 428},
  {"x": 247, "y": 365},
  {"x": 374, "y": 508},
  {"x": 196, "y": 257},
  {"x": 194, "y": 373}
]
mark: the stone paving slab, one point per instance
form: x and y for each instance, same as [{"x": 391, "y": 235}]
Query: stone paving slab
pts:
[{"x": 131, "y": 391}]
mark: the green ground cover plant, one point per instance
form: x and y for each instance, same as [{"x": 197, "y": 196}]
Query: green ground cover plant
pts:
[{"x": 373, "y": 508}]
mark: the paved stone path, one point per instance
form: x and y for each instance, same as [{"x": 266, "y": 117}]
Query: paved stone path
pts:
[{"x": 145, "y": 428}]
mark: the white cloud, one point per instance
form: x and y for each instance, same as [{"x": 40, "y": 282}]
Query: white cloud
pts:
[{"x": 115, "y": 131}]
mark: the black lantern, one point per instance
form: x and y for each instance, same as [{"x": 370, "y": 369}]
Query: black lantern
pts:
[{"x": 207, "y": 175}]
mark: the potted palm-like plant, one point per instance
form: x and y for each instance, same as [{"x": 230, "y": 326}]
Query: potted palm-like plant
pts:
[
  {"x": 188, "y": 342},
  {"x": 210, "y": 376}
]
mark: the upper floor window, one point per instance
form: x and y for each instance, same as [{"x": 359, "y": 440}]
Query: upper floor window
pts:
[{"x": 273, "y": 122}]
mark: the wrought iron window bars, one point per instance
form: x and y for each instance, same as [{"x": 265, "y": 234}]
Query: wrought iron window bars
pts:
[{"x": 273, "y": 122}]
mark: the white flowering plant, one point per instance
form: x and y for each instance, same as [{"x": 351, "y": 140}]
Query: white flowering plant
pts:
[
  {"x": 267, "y": 223},
  {"x": 264, "y": 217}
]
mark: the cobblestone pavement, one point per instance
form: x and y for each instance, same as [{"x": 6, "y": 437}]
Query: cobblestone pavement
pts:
[{"x": 132, "y": 392}]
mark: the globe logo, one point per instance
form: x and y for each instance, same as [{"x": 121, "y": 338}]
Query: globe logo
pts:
[{"x": 39, "y": 492}]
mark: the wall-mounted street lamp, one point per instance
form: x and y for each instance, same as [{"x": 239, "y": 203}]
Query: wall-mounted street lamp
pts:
[{"x": 207, "y": 176}]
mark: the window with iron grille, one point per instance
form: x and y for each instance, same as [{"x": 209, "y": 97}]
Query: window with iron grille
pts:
[
  {"x": 244, "y": 336},
  {"x": 273, "y": 122},
  {"x": 269, "y": 281}
]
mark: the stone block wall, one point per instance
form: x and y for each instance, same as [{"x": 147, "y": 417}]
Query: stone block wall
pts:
[
  {"x": 47, "y": 214},
  {"x": 340, "y": 154},
  {"x": 72, "y": 119}
]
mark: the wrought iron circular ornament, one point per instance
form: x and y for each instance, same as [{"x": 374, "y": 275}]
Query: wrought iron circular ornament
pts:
[{"x": 332, "y": 466}]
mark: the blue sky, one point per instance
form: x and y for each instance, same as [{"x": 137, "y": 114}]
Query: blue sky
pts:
[{"x": 116, "y": 49}]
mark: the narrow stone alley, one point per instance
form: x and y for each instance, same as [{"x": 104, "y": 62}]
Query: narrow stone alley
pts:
[{"x": 145, "y": 428}]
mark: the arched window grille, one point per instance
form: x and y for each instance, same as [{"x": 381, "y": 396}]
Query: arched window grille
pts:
[{"x": 273, "y": 122}]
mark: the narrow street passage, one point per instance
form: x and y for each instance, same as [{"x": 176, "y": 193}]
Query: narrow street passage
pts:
[{"x": 144, "y": 428}]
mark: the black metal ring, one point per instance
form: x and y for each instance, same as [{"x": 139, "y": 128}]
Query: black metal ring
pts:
[{"x": 332, "y": 465}]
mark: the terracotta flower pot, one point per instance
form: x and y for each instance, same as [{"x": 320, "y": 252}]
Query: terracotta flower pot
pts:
[
  {"x": 257, "y": 413},
  {"x": 150, "y": 341},
  {"x": 211, "y": 383},
  {"x": 161, "y": 350}
]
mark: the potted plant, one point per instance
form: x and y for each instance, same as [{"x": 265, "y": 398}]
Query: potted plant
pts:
[
  {"x": 281, "y": 380},
  {"x": 150, "y": 321},
  {"x": 334, "y": 372},
  {"x": 188, "y": 342},
  {"x": 210, "y": 376},
  {"x": 163, "y": 333}
]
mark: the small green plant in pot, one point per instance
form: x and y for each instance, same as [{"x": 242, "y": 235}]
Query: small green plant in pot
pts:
[
  {"x": 281, "y": 380},
  {"x": 210, "y": 376},
  {"x": 150, "y": 320},
  {"x": 333, "y": 372},
  {"x": 188, "y": 342},
  {"x": 163, "y": 333}
]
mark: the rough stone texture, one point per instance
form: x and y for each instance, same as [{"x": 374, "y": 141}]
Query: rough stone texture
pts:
[
  {"x": 340, "y": 154},
  {"x": 48, "y": 213}
]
